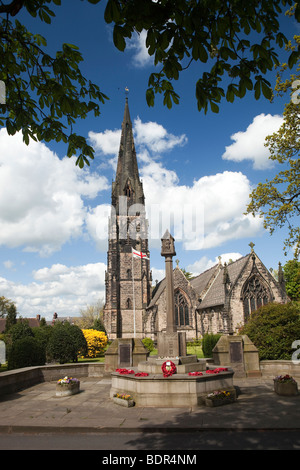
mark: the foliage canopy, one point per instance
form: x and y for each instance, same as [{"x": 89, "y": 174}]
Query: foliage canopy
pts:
[{"x": 46, "y": 94}]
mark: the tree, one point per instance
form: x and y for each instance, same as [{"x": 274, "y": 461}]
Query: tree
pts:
[
  {"x": 91, "y": 317},
  {"x": 11, "y": 317},
  {"x": 216, "y": 33},
  {"x": 278, "y": 200},
  {"x": 292, "y": 279},
  {"x": 46, "y": 94},
  {"x": 5, "y": 304}
]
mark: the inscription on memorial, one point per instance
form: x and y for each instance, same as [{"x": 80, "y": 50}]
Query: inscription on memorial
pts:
[
  {"x": 125, "y": 355},
  {"x": 236, "y": 351}
]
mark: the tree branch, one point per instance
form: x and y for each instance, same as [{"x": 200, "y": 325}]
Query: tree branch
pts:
[{"x": 13, "y": 8}]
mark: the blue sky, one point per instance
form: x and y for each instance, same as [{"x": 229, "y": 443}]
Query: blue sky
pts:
[{"x": 53, "y": 215}]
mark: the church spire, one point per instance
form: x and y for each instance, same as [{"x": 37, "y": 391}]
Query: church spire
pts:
[{"x": 127, "y": 182}]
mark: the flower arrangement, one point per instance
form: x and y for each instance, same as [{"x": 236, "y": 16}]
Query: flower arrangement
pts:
[
  {"x": 67, "y": 381},
  {"x": 168, "y": 368},
  {"x": 284, "y": 379},
  {"x": 219, "y": 395},
  {"x": 123, "y": 396},
  {"x": 195, "y": 373},
  {"x": 217, "y": 370},
  {"x": 141, "y": 374},
  {"x": 285, "y": 385},
  {"x": 125, "y": 371}
]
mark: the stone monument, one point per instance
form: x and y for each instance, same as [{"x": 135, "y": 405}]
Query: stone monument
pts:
[
  {"x": 239, "y": 353},
  {"x": 170, "y": 343}
]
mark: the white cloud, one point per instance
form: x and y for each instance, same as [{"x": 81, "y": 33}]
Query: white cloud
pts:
[
  {"x": 60, "y": 289},
  {"x": 106, "y": 142},
  {"x": 137, "y": 43},
  {"x": 203, "y": 215},
  {"x": 41, "y": 196},
  {"x": 155, "y": 136},
  {"x": 249, "y": 145}
]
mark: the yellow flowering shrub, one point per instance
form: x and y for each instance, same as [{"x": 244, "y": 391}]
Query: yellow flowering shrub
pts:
[{"x": 96, "y": 342}]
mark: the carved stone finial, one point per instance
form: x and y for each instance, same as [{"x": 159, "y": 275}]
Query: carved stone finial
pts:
[
  {"x": 252, "y": 245},
  {"x": 167, "y": 245}
]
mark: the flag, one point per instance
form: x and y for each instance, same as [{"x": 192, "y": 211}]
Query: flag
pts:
[{"x": 139, "y": 254}]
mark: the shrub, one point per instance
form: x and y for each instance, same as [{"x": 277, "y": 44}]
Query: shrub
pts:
[
  {"x": 149, "y": 344},
  {"x": 65, "y": 342},
  {"x": 209, "y": 341},
  {"x": 19, "y": 330},
  {"x": 96, "y": 342},
  {"x": 273, "y": 328},
  {"x": 26, "y": 352}
]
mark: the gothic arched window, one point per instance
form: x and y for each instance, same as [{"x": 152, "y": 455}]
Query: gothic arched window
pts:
[
  {"x": 254, "y": 295},
  {"x": 182, "y": 311}
]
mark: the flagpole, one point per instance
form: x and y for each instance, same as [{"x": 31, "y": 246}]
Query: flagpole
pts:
[{"x": 133, "y": 294}]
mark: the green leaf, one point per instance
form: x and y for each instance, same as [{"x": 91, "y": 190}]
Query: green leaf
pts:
[
  {"x": 257, "y": 89},
  {"x": 118, "y": 37},
  {"x": 214, "y": 107},
  {"x": 150, "y": 97},
  {"x": 267, "y": 90}
]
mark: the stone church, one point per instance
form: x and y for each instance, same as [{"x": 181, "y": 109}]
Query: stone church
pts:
[{"x": 220, "y": 300}]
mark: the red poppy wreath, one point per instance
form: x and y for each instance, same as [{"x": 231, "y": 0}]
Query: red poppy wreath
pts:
[{"x": 168, "y": 368}]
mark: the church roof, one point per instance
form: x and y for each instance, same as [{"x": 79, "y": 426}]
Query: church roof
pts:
[
  {"x": 209, "y": 285},
  {"x": 211, "y": 289}
]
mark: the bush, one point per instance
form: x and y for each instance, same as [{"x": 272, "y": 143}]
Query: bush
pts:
[
  {"x": 209, "y": 341},
  {"x": 149, "y": 344},
  {"x": 26, "y": 352},
  {"x": 273, "y": 328},
  {"x": 20, "y": 330},
  {"x": 96, "y": 342},
  {"x": 65, "y": 342}
]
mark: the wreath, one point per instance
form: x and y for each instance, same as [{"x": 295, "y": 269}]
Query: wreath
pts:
[{"x": 168, "y": 368}]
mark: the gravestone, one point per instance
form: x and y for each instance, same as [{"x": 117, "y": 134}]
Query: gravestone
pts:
[
  {"x": 2, "y": 352},
  {"x": 239, "y": 353}
]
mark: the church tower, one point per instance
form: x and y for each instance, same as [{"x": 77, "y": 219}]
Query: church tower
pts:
[{"x": 128, "y": 278}]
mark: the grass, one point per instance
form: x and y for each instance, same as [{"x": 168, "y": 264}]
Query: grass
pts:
[{"x": 190, "y": 350}]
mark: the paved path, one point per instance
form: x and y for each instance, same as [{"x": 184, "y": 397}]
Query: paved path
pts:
[{"x": 37, "y": 409}]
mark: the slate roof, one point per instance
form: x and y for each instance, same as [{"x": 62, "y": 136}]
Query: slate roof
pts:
[{"x": 209, "y": 285}]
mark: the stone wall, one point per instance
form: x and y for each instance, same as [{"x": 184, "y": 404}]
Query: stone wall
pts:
[
  {"x": 18, "y": 379},
  {"x": 274, "y": 368}
]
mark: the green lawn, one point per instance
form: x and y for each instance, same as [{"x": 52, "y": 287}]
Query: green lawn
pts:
[{"x": 191, "y": 350}]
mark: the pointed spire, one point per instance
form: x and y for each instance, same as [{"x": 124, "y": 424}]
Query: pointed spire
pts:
[{"x": 127, "y": 182}]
